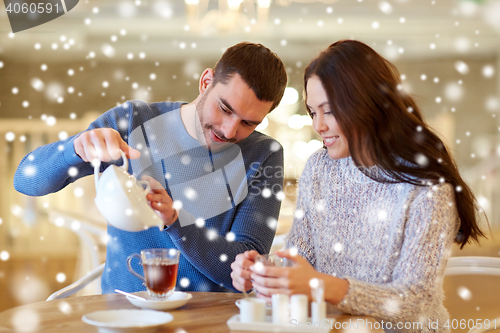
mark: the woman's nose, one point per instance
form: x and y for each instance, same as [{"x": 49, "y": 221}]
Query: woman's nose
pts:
[{"x": 319, "y": 124}]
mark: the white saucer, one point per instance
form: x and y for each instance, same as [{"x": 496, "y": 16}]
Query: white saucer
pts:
[
  {"x": 174, "y": 301},
  {"x": 119, "y": 321}
]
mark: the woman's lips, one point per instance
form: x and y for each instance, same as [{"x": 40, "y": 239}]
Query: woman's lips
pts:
[{"x": 330, "y": 141}]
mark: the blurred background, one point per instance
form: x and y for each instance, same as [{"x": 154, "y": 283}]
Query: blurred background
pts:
[{"x": 58, "y": 77}]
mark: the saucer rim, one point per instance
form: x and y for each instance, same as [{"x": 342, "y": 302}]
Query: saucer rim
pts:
[
  {"x": 160, "y": 301},
  {"x": 167, "y": 319}
]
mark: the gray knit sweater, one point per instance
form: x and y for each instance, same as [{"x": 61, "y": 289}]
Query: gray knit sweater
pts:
[{"x": 390, "y": 241}]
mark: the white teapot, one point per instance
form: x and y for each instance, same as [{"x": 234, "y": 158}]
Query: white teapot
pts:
[{"x": 121, "y": 201}]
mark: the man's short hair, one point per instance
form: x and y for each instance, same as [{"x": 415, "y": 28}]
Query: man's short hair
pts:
[{"x": 262, "y": 70}]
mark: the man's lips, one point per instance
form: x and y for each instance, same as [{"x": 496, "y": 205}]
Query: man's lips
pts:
[{"x": 215, "y": 138}]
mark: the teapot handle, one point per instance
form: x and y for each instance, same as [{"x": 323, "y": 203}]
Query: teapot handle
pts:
[
  {"x": 145, "y": 183},
  {"x": 97, "y": 167}
]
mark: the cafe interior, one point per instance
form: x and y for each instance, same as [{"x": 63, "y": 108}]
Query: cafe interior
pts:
[{"x": 58, "y": 77}]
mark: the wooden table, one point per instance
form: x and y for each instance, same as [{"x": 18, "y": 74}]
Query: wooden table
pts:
[{"x": 205, "y": 312}]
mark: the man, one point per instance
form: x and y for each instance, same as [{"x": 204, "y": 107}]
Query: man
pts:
[{"x": 204, "y": 161}]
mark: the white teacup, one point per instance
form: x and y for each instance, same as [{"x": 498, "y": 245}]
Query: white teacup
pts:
[
  {"x": 121, "y": 201},
  {"x": 252, "y": 310}
]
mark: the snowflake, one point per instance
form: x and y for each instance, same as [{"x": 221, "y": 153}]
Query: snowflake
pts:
[
  {"x": 65, "y": 307},
  {"x": 223, "y": 257},
  {"x": 177, "y": 205},
  {"x": 190, "y": 193},
  {"x": 421, "y": 159},
  {"x": 184, "y": 282},
  {"x": 200, "y": 223},
  {"x": 266, "y": 193},
  {"x": 186, "y": 159},
  {"x": 280, "y": 196},
  {"x": 25, "y": 320},
  {"x": 76, "y": 225},
  {"x": 60, "y": 277},
  {"x": 10, "y": 136},
  {"x": 258, "y": 267},
  {"x": 392, "y": 306},
  {"x": 464, "y": 293},
  {"x": 275, "y": 146},
  {"x": 211, "y": 234},
  {"x": 299, "y": 213},
  {"x": 4, "y": 255},
  {"x": 382, "y": 215},
  {"x": 320, "y": 206},
  {"x": 78, "y": 192},
  {"x": 230, "y": 236},
  {"x": 272, "y": 223},
  {"x": 29, "y": 171},
  {"x": 338, "y": 247}
]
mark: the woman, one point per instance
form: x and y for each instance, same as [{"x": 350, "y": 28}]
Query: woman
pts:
[{"x": 379, "y": 206}]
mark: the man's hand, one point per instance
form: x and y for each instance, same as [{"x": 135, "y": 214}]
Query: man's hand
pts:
[
  {"x": 103, "y": 144},
  {"x": 160, "y": 201},
  {"x": 241, "y": 270}
]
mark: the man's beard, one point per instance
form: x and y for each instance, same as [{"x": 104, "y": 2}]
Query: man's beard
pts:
[{"x": 203, "y": 130}]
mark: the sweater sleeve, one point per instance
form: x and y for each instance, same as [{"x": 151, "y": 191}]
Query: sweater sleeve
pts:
[
  {"x": 299, "y": 235},
  {"x": 253, "y": 228},
  {"x": 52, "y": 167},
  {"x": 431, "y": 227}
]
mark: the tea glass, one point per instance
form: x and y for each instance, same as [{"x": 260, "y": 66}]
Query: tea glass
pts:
[
  {"x": 273, "y": 260},
  {"x": 160, "y": 268}
]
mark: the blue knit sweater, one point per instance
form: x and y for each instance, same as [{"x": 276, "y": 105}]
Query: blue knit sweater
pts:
[{"x": 207, "y": 249}]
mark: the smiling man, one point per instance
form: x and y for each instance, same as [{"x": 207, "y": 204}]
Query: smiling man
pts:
[{"x": 197, "y": 157}]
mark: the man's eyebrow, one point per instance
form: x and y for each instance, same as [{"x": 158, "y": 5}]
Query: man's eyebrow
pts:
[{"x": 229, "y": 107}]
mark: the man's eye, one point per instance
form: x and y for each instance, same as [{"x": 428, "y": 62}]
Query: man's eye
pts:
[{"x": 224, "y": 109}]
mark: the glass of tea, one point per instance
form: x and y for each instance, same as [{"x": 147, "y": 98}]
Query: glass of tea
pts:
[
  {"x": 273, "y": 260},
  {"x": 160, "y": 270}
]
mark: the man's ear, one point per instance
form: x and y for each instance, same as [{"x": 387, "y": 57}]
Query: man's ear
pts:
[{"x": 206, "y": 79}]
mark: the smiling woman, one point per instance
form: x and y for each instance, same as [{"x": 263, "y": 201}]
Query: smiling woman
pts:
[{"x": 378, "y": 208}]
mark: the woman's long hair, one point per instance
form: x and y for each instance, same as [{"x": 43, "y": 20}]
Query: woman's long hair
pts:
[{"x": 384, "y": 126}]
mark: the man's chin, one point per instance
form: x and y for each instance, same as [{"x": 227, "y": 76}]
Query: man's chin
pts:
[{"x": 219, "y": 146}]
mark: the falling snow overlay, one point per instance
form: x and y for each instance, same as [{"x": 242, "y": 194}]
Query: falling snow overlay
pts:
[{"x": 447, "y": 52}]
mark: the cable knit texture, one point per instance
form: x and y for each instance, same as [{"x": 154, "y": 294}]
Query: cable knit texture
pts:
[{"x": 390, "y": 241}]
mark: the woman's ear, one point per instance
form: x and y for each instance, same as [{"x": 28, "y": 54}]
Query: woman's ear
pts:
[{"x": 206, "y": 79}]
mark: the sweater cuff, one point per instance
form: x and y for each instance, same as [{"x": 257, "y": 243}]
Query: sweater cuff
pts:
[
  {"x": 352, "y": 298},
  {"x": 69, "y": 154},
  {"x": 176, "y": 231}
]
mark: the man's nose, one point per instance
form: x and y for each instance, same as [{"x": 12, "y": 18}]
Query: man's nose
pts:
[{"x": 230, "y": 128}]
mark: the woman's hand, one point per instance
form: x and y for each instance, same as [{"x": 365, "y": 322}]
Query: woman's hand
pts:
[
  {"x": 241, "y": 270},
  {"x": 160, "y": 201},
  {"x": 268, "y": 280}
]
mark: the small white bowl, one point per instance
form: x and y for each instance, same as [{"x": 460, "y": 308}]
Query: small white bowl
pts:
[
  {"x": 174, "y": 301},
  {"x": 120, "y": 321}
]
